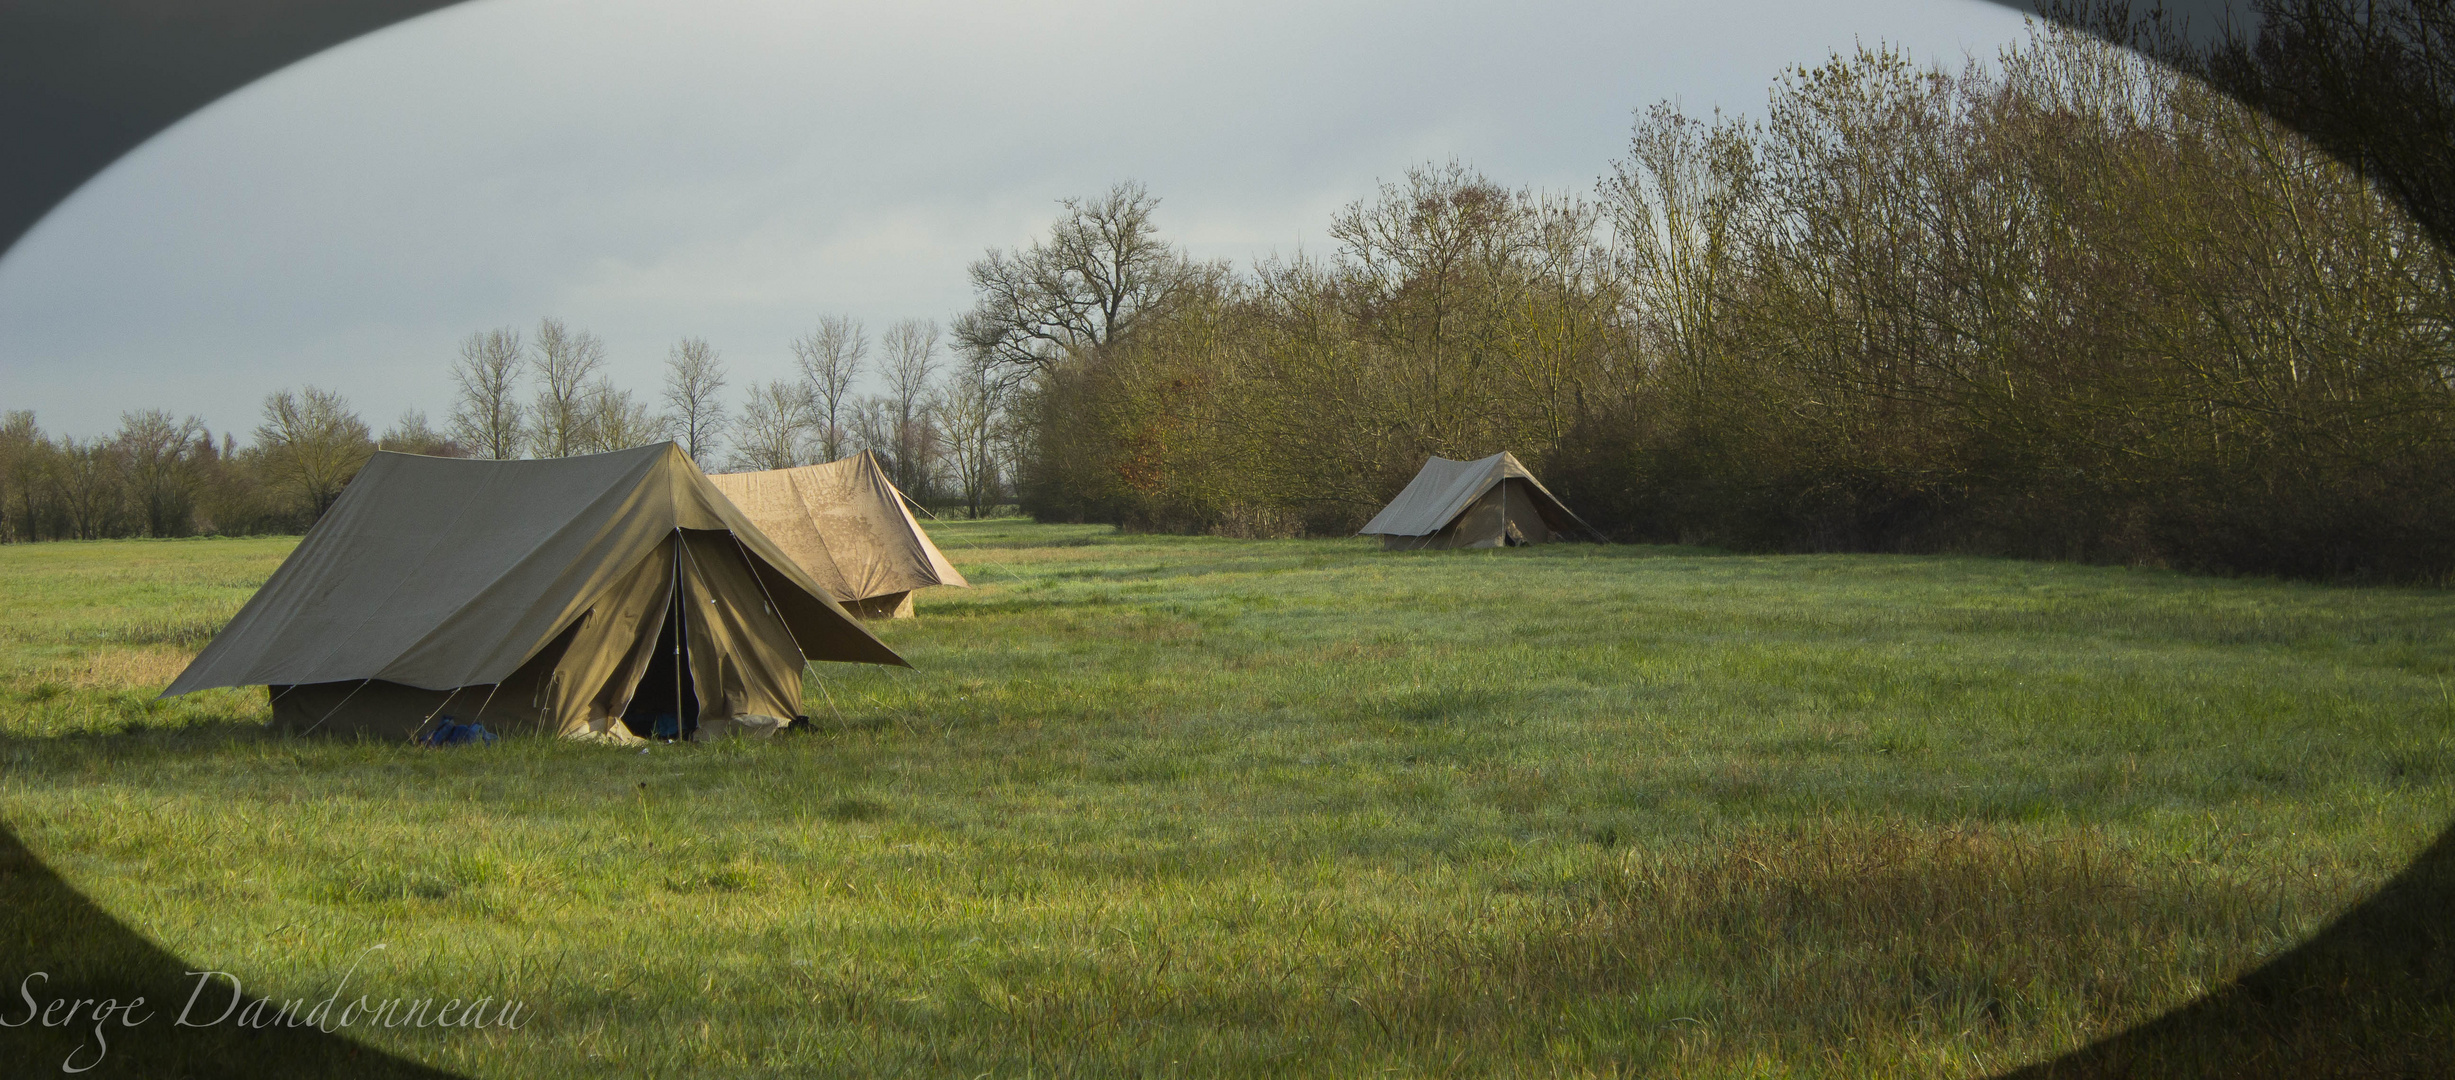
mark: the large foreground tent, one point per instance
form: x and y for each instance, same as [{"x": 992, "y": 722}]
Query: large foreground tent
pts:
[
  {"x": 847, "y": 525},
  {"x": 1484, "y": 503},
  {"x": 616, "y": 596}
]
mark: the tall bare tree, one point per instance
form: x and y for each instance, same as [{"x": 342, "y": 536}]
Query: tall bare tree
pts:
[
  {"x": 617, "y": 421},
  {"x": 911, "y": 348},
  {"x": 311, "y": 444},
  {"x": 830, "y": 359},
  {"x": 967, "y": 407},
  {"x": 1674, "y": 205},
  {"x": 1433, "y": 266},
  {"x": 566, "y": 360},
  {"x": 694, "y": 414},
  {"x": 488, "y": 419},
  {"x": 773, "y": 428},
  {"x": 1102, "y": 267},
  {"x": 870, "y": 425}
]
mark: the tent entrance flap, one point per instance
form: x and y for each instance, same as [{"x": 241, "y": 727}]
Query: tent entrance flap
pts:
[
  {"x": 691, "y": 644},
  {"x": 376, "y": 708},
  {"x": 665, "y": 700},
  {"x": 745, "y": 660}
]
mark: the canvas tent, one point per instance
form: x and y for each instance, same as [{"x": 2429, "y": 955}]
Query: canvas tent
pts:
[
  {"x": 578, "y": 596},
  {"x": 1487, "y": 502},
  {"x": 847, "y": 525}
]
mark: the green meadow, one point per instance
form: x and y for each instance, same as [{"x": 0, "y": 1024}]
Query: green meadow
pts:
[{"x": 1169, "y": 806}]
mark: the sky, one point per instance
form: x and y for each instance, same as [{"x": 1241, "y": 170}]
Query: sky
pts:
[{"x": 734, "y": 170}]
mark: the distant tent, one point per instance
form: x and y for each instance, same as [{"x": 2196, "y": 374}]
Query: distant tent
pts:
[
  {"x": 533, "y": 596},
  {"x": 1487, "y": 502},
  {"x": 847, "y": 525}
]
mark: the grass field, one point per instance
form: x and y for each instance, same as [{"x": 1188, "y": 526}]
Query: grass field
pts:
[{"x": 1201, "y": 807}]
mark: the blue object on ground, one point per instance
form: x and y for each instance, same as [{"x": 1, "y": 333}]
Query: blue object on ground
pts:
[
  {"x": 453, "y": 734},
  {"x": 668, "y": 726}
]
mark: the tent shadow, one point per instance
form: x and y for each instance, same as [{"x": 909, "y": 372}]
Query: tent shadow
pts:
[
  {"x": 87, "y": 954},
  {"x": 2371, "y": 995}
]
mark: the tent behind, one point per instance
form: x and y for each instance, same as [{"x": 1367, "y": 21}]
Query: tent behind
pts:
[
  {"x": 532, "y": 595},
  {"x": 846, "y": 524},
  {"x": 1485, "y": 503}
]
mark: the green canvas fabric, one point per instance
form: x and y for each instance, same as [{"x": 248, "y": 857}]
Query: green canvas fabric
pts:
[
  {"x": 1473, "y": 504},
  {"x": 442, "y": 575}
]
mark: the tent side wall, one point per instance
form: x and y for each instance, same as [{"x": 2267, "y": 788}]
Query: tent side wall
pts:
[{"x": 377, "y": 709}]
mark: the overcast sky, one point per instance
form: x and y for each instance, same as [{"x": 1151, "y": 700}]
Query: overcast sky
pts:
[{"x": 733, "y": 170}]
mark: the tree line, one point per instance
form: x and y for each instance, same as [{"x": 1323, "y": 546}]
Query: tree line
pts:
[
  {"x": 941, "y": 428},
  {"x": 2070, "y": 304}
]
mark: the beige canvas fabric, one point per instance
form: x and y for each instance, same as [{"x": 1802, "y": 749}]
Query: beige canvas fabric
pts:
[
  {"x": 532, "y": 590},
  {"x": 1489, "y": 502},
  {"x": 848, "y": 526}
]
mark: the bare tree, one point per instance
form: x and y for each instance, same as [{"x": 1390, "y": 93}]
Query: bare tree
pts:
[
  {"x": 311, "y": 444},
  {"x": 617, "y": 421},
  {"x": 412, "y": 435},
  {"x": 489, "y": 420},
  {"x": 1102, "y": 267},
  {"x": 967, "y": 408},
  {"x": 774, "y": 425},
  {"x": 92, "y": 489},
  {"x": 870, "y": 425},
  {"x": 566, "y": 359},
  {"x": 830, "y": 359},
  {"x": 911, "y": 348},
  {"x": 157, "y": 454},
  {"x": 693, "y": 413}
]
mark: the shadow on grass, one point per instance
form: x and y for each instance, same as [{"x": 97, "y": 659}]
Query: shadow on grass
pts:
[
  {"x": 2372, "y": 995},
  {"x": 88, "y": 955},
  {"x": 83, "y": 953}
]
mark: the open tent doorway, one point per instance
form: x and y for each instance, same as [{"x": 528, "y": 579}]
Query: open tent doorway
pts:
[{"x": 665, "y": 702}]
